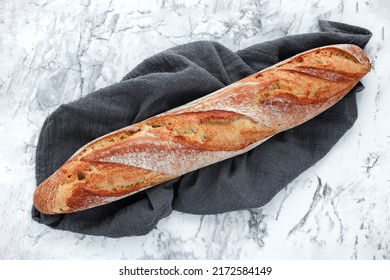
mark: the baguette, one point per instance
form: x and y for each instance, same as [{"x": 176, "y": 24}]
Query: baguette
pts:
[{"x": 223, "y": 124}]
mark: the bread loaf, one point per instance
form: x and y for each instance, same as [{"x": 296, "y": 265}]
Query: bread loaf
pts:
[{"x": 221, "y": 125}]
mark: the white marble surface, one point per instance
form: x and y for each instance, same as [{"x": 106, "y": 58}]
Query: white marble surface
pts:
[{"x": 53, "y": 52}]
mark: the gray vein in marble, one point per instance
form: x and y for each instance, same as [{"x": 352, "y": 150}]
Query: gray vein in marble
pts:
[
  {"x": 319, "y": 194},
  {"x": 257, "y": 227}
]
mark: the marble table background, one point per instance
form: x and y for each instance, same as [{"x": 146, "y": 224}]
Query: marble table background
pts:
[{"x": 53, "y": 52}]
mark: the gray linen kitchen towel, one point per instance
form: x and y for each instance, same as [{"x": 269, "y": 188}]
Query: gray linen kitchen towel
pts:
[{"x": 170, "y": 79}]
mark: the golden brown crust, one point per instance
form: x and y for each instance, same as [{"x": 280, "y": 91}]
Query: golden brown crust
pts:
[
  {"x": 79, "y": 186},
  {"x": 223, "y": 124}
]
